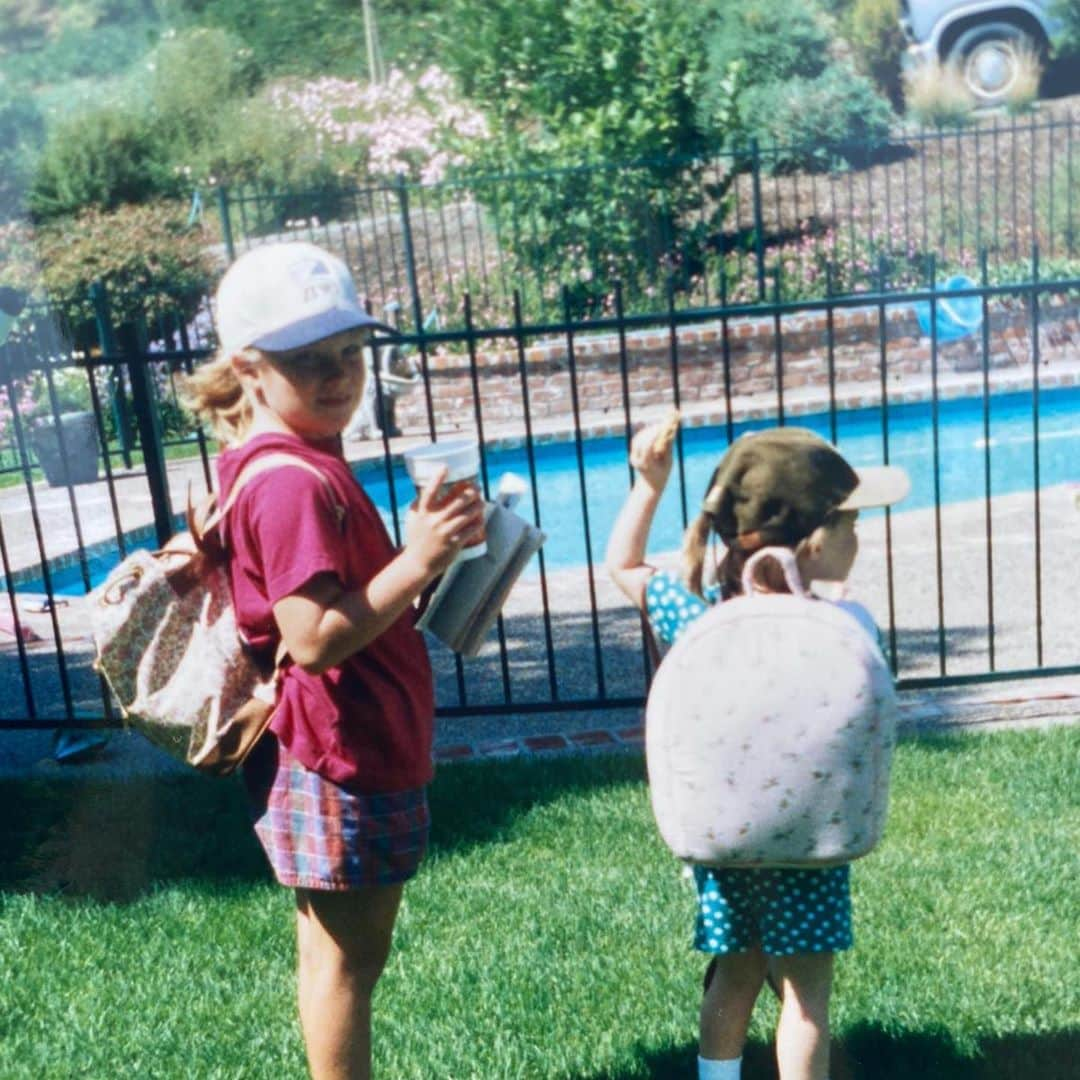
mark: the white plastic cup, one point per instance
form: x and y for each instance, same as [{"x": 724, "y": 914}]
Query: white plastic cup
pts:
[{"x": 461, "y": 457}]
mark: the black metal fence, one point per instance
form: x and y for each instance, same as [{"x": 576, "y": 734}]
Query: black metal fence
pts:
[
  {"x": 972, "y": 582},
  {"x": 744, "y": 226}
]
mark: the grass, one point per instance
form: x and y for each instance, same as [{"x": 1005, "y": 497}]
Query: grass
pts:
[
  {"x": 935, "y": 94},
  {"x": 547, "y": 935}
]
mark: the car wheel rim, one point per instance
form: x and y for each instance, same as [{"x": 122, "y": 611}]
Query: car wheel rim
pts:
[{"x": 991, "y": 69}]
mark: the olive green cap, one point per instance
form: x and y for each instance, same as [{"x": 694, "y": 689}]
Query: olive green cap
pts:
[{"x": 777, "y": 486}]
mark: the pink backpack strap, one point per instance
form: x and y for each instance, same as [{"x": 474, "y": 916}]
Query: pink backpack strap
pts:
[
  {"x": 261, "y": 464},
  {"x": 786, "y": 559}
]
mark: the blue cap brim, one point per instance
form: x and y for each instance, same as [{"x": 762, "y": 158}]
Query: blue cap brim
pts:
[{"x": 316, "y": 327}]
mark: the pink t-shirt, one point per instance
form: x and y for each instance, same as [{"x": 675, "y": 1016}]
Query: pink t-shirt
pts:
[{"x": 366, "y": 724}]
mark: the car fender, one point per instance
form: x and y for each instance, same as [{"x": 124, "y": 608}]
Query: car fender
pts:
[{"x": 929, "y": 34}]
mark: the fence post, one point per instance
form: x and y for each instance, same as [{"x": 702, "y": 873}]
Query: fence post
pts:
[
  {"x": 226, "y": 222},
  {"x": 410, "y": 255},
  {"x": 117, "y": 398},
  {"x": 148, "y": 419},
  {"x": 759, "y": 222}
]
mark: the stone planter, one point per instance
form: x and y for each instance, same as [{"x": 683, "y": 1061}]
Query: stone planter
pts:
[{"x": 80, "y": 446}]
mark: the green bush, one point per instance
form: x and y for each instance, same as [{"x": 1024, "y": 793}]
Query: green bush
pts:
[
  {"x": 259, "y": 144},
  {"x": 567, "y": 81},
  {"x": 268, "y": 150},
  {"x": 193, "y": 77},
  {"x": 21, "y": 135},
  {"x": 775, "y": 40},
  {"x": 103, "y": 156},
  {"x": 873, "y": 28},
  {"x": 151, "y": 264},
  {"x": 567, "y": 84},
  {"x": 48, "y": 43},
  {"x": 807, "y": 109},
  {"x": 1068, "y": 37},
  {"x": 315, "y": 36},
  {"x": 818, "y": 123}
]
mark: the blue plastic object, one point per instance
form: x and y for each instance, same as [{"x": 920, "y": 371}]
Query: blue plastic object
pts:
[
  {"x": 72, "y": 747},
  {"x": 956, "y": 316}
]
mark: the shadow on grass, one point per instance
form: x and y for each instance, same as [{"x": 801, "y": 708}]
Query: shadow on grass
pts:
[
  {"x": 112, "y": 841},
  {"x": 869, "y": 1053}
]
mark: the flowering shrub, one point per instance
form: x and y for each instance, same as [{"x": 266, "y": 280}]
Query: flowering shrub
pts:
[
  {"x": 24, "y": 404},
  {"x": 416, "y": 128},
  {"x": 151, "y": 263},
  {"x": 16, "y": 254}
]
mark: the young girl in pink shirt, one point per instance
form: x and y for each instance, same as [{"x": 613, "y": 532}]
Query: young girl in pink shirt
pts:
[{"x": 339, "y": 787}]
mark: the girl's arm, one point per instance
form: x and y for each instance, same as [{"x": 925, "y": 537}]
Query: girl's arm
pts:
[
  {"x": 322, "y": 624},
  {"x": 625, "y": 559}
]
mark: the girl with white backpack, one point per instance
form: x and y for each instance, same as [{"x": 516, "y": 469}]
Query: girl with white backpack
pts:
[{"x": 784, "y": 503}]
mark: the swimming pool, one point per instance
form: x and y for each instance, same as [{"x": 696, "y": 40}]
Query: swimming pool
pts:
[
  {"x": 961, "y": 464},
  {"x": 961, "y": 469}
]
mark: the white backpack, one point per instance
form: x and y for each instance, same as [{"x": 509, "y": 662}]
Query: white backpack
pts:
[{"x": 769, "y": 732}]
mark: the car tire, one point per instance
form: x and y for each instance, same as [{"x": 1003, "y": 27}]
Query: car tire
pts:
[{"x": 989, "y": 58}]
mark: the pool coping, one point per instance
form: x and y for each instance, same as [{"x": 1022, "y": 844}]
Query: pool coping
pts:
[{"x": 801, "y": 401}]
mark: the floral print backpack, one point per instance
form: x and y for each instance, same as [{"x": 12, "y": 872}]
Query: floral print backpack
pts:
[{"x": 168, "y": 646}]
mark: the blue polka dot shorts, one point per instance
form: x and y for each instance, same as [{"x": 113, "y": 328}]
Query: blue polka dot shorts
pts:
[{"x": 784, "y": 911}]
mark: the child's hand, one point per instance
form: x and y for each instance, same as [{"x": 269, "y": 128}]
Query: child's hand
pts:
[
  {"x": 436, "y": 528},
  {"x": 653, "y": 465}
]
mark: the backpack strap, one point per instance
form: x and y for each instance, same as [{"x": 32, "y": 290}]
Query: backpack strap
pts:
[
  {"x": 215, "y": 515},
  {"x": 786, "y": 558}
]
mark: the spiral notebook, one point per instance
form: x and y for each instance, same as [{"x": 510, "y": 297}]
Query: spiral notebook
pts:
[{"x": 471, "y": 593}]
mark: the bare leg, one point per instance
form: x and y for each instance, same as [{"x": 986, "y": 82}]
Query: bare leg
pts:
[
  {"x": 728, "y": 1003},
  {"x": 802, "y": 1036},
  {"x": 343, "y": 941}
]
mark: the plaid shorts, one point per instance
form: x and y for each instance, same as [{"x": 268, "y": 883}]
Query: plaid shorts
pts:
[{"x": 320, "y": 836}]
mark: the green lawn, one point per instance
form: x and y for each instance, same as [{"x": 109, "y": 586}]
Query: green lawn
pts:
[{"x": 548, "y": 933}]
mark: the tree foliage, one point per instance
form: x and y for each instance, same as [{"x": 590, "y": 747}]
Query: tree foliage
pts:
[
  {"x": 21, "y": 133},
  {"x": 573, "y": 83}
]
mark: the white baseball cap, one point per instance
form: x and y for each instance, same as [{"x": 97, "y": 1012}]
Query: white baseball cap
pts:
[{"x": 286, "y": 295}]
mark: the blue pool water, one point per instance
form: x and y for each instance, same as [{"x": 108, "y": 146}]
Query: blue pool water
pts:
[
  {"x": 961, "y": 468},
  {"x": 961, "y": 464}
]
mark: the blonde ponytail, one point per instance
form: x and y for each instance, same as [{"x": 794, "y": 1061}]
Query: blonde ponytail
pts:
[
  {"x": 214, "y": 393},
  {"x": 730, "y": 569},
  {"x": 695, "y": 544}
]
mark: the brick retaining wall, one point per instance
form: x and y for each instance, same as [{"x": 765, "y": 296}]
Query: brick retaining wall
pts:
[{"x": 752, "y": 346}]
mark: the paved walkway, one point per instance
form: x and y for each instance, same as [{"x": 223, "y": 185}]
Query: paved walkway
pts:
[
  {"x": 918, "y": 595},
  {"x": 1023, "y": 704}
]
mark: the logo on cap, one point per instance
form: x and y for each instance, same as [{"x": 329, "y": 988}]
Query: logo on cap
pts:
[{"x": 314, "y": 278}]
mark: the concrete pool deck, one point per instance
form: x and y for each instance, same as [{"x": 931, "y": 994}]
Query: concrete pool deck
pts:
[{"x": 601, "y": 655}]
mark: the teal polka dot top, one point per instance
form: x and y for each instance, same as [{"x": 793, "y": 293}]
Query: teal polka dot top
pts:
[{"x": 672, "y": 607}]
